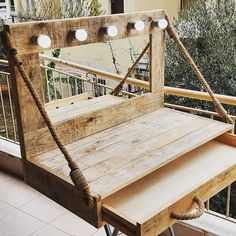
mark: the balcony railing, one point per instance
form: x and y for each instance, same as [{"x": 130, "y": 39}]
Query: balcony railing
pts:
[{"x": 67, "y": 79}]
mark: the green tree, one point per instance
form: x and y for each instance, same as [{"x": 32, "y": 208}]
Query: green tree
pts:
[{"x": 208, "y": 31}]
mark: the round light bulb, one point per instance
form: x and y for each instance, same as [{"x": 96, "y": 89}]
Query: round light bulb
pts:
[
  {"x": 44, "y": 41},
  {"x": 162, "y": 24},
  {"x": 139, "y": 25},
  {"x": 112, "y": 31},
  {"x": 81, "y": 35}
]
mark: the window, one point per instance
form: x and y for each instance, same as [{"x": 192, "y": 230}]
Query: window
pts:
[
  {"x": 117, "y": 6},
  {"x": 12, "y": 5},
  {"x": 3, "y": 10}
]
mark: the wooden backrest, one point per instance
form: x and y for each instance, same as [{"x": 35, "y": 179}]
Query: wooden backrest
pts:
[{"x": 34, "y": 136}]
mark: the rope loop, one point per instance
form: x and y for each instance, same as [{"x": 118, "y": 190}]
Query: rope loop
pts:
[{"x": 198, "y": 212}]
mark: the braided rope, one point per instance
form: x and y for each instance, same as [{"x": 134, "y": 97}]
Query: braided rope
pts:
[
  {"x": 218, "y": 107},
  {"x": 119, "y": 87},
  {"x": 76, "y": 174},
  {"x": 199, "y": 211}
]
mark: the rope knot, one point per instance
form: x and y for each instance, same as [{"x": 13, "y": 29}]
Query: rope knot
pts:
[{"x": 82, "y": 186}]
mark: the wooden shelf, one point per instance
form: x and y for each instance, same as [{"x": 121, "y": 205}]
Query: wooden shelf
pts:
[
  {"x": 82, "y": 107},
  {"x": 202, "y": 172},
  {"x": 119, "y": 156}
]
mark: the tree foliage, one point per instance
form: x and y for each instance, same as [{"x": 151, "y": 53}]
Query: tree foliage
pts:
[
  {"x": 208, "y": 30},
  {"x": 54, "y": 9}
]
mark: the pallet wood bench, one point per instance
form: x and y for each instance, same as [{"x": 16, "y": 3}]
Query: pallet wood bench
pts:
[{"x": 142, "y": 161}]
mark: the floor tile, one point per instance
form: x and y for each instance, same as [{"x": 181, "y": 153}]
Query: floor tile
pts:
[
  {"x": 43, "y": 208},
  {"x": 6, "y": 180},
  {"x": 99, "y": 232},
  {"x": 49, "y": 231},
  {"x": 14, "y": 222},
  {"x": 73, "y": 225},
  {"x": 18, "y": 194}
]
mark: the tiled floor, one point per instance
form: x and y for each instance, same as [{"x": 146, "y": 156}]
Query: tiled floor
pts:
[{"x": 26, "y": 212}]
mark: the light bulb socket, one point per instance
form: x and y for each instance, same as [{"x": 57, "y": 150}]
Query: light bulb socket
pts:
[{"x": 130, "y": 25}]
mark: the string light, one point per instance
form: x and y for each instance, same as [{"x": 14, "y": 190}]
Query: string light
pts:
[
  {"x": 43, "y": 41},
  {"x": 81, "y": 35},
  {"x": 112, "y": 31},
  {"x": 162, "y": 24},
  {"x": 137, "y": 25}
]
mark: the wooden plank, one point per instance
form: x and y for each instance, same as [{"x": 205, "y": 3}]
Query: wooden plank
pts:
[
  {"x": 227, "y": 138},
  {"x": 40, "y": 141},
  {"x": 88, "y": 151},
  {"x": 157, "y": 62},
  {"x": 127, "y": 226},
  {"x": 60, "y": 31},
  {"x": 30, "y": 117},
  {"x": 150, "y": 201},
  {"x": 118, "y": 178},
  {"x": 84, "y": 108},
  {"x": 94, "y": 143},
  {"x": 117, "y": 157},
  {"x": 27, "y": 114},
  {"x": 87, "y": 103},
  {"x": 66, "y": 101},
  {"x": 126, "y": 153}
]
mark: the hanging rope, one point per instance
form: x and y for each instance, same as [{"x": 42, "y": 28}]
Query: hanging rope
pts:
[
  {"x": 218, "y": 107},
  {"x": 199, "y": 211},
  {"x": 119, "y": 87},
  {"x": 76, "y": 174}
]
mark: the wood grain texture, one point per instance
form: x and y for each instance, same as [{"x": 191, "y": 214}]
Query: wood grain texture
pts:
[
  {"x": 157, "y": 62},
  {"x": 34, "y": 121},
  {"x": 227, "y": 138},
  {"x": 28, "y": 117},
  {"x": 116, "y": 157},
  {"x": 66, "y": 101},
  {"x": 60, "y": 31},
  {"x": 202, "y": 172},
  {"x": 84, "y": 107},
  {"x": 118, "y": 178},
  {"x": 40, "y": 141}
]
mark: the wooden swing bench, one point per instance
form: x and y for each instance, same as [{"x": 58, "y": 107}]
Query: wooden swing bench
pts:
[{"x": 144, "y": 164}]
